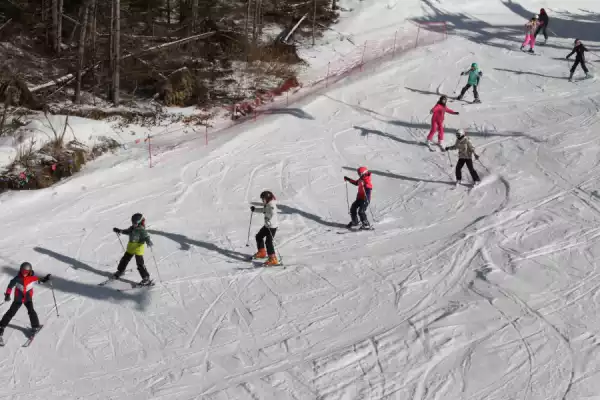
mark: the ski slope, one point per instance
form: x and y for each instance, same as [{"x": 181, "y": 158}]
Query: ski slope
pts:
[{"x": 492, "y": 294}]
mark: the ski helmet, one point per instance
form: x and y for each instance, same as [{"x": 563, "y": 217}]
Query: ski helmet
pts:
[
  {"x": 474, "y": 65},
  {"x": 577, "y": 41},
  {"x": 362, "y": 170},
  {"x": 535, "y": 16},
  {"x": 443, "y": 99},
  {"x": 266, "y": 196},
  {"x": 25, "y": 267},
  {"x": 460, "y": 133},
  {"x": 138, "y": 219}
]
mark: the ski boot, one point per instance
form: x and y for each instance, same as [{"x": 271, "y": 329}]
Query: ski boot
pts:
[
  {"x": 457, "y": 183},
  {"x": 441, "y": 146},
  {"x": 118, "y": 274},
  {"x": 272, "y": 261},
  {"x": 261, "y": 253},
  {"x": 531, "y": 51},
  {"x": 571, "y": 78},
  {"x": 476, "y": 101},
  {"x": 351, "y": 225},
  {"x": 366, "y": 226},
  {"x": 146, "y": 281}
]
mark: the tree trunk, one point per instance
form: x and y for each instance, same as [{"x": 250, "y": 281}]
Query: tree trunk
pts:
[
  {"x": 81, "y": 50},
  {"x": 117, "y": 55},
  {"x": 59, "y": 26},
  {"x": 169, "y": 12},
  {"x": 111, "y": 46},
  {"x": 314, "y": 21},
  {"x": 334, "y": 5},
  {"x": 194, "y": 13},
  {"x": 94, "y": 34},
  {"x": 54, "y": 25},
  {"x": 248, "y": 12}
]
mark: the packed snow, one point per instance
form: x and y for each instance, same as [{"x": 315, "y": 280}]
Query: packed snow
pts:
[{"x": 485, "y": 294}]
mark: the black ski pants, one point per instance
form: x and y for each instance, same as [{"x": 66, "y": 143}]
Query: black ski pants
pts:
[
  {"x": 359, "y": 207},
  {"x": 267, "y": 234},
  {"x": 467, "y": 87},
  {"x": 576, "y": 63},
  {"x": 542, "y": 29},
  {"x": 12, "y": 311},
  {"x": 139, "y": 260},
  {"x": 459, "y": 166}
]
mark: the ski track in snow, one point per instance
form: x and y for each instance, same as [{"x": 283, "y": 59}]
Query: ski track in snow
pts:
[{"x": 492, "y": 293}]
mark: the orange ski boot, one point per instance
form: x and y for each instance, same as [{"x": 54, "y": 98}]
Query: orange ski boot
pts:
[
  {"x": 261, "y": 253},
  {"x": 272, "y": 261}
]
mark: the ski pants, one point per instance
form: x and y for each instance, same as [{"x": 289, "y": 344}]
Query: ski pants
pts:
[
  {"x": 467, "y": 87},
  {"x": 12, "y": 311},
  {"x": 360, "y": 207},
  {"x": 139, "y": 260},
  {"x": 436, "y": 126},
  {"x": 542, "y": 29},
  {"x": 459, "y": 166},
  {"x": 529, "y": 39},
  {"x": 267, "y": 234},
  {"x": 576, "y": 63}
]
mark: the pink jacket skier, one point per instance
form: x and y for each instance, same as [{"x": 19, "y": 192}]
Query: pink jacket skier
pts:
[
  {"x": 530, "y": 29},
  {"x": 437, "y": 120}
]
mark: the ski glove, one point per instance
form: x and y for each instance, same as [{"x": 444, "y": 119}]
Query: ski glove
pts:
[
  {"x": 252, "y": 208},
  {"x": 45, "y": 279},
  {"x": 7, "y": 297},
  {"x": 149, "y": 242},
  {"x": 476, "y": 157},
  {"x": 116, "y": 230}
]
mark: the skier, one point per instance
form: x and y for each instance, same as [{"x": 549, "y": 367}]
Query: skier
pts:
[
  {"x": 437, "y": 121},
  {"x": 268, "y": 231},
  {"x": 465, "y": 153},
  {"x": 363, "y": 197},
  {"x": 138, "y": 238},
  {"x": 474, "y": 76},
  {"x": 530, "y": 29},
  {"x": 23, "y": 283},
  {"x": 543, "y": 25},
  {"x": 579, "y": 59}
]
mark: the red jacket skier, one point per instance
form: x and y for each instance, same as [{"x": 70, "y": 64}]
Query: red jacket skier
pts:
[
  {"x": 23, "y": 287},
  {"x": 437, "y": 120},
  {"x": 363, "y": 198}
]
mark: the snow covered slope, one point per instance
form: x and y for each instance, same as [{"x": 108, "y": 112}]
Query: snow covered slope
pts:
[{"x": 487, "y": 295}]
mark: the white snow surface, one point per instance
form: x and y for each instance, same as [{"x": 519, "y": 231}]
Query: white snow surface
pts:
[{"x": 492, "y": 294}]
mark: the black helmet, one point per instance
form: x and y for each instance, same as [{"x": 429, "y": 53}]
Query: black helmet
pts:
[
  {"x": 267, "y": 196},
  {"x": 443, "y": 99},
  {"x": 25, "y": 267},
  {"x": 138, "y": 219}
]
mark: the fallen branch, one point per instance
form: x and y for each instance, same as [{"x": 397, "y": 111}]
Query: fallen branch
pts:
[
  {"x": 159, "y": 47},
  {"x": 147, "y": 64},
  {"x": 6, "y": 23},
  {"x": 99, "y": 113}
]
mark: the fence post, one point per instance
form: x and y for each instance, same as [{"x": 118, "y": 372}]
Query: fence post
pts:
[
  {"x": 417, "y": 40},
  {"x": 394, "y": 49},
  {"x": 207, "y": 135},
  {"x": 287, "y": 98},
  {"x": 362, "y": 61},
  {"x": 149, "y": 149},
  {"x": 327, "y": 76}
]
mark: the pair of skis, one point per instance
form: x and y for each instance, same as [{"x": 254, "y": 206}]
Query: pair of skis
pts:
[
  {"x": 30, "y": 338},
  {"x": 134, "y": 285}
]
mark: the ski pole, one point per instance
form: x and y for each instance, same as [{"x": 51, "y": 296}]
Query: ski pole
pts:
[
  {"x": 120, "y": 241},
  {"x": 486, "y": 168},
  {"x": 457, "y": 84},
  {"x": 449, "y": 159},
  {"x": 156, "y": 265},
  {"x": 249, "y": 227},
  {"x": 54, "y": 297},
  {"x": 347, "y": 198}
]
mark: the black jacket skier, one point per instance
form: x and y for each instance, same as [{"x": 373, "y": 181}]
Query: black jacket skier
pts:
[
  {"x": 544, "y": 21},
  {"x": 580, "y": 50}
]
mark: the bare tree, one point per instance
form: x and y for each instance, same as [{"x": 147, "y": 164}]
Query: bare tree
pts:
[
  {"x": 81, "y": 50},
  {"x": 194, "y": 15},
  {"x": 117, "y": 52},
  {"x": 54, "y": 27},
  {"x": 59, "y": 27}
]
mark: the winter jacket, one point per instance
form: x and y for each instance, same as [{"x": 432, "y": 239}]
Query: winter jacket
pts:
[
  {"x": 23, "y": 286},
  {"x": 580, "y": 50},
  {"x": 138, "y": 238},
  {"x": 474, "y": 76},
  {"x": 270, "y": 211},
  {"x": 365, "y": 186},
  {"x": 465, "y": 148},
  {"x": 531, "y": 27},
  {"x": 439, "y": 111},
  {"x": 544, "y": 20}
]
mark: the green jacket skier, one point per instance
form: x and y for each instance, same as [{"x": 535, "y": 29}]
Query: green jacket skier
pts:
[{"x": 474, "y": 76}]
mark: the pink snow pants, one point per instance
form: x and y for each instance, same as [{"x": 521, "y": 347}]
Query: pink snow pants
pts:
[
  {"x": 436, "y": 126},
  {"x": 529, "y": 39}
]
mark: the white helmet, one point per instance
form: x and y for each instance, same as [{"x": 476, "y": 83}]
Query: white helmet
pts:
[
  {"x": 460, "y": 132},
  {"x": 535, "y": 16}
]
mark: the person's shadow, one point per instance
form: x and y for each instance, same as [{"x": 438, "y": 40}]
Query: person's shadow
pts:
[{"x": 185, "y": 243}]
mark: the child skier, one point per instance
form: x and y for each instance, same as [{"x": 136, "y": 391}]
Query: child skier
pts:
[
  {"x": 579, "y": 58},
  {"x": 138, "y": 238},
  {"x": 363, "y": 198},
  {"x": 530, "y": 29},
  {"x": 474, "y": 76},
  {"x": 465, "y": 152},
  {"x": 23, "y": 283},
  {"x": 543, "y": 25},
  {"x": 268, "y": 231},
  {"x": 437, "y": 121}
]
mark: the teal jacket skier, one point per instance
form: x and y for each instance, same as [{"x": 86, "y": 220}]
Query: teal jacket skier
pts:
[{"x": 474, "y": 76}]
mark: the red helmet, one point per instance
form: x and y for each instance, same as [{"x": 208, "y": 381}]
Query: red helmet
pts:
[{"x": 362, "y": 170}]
